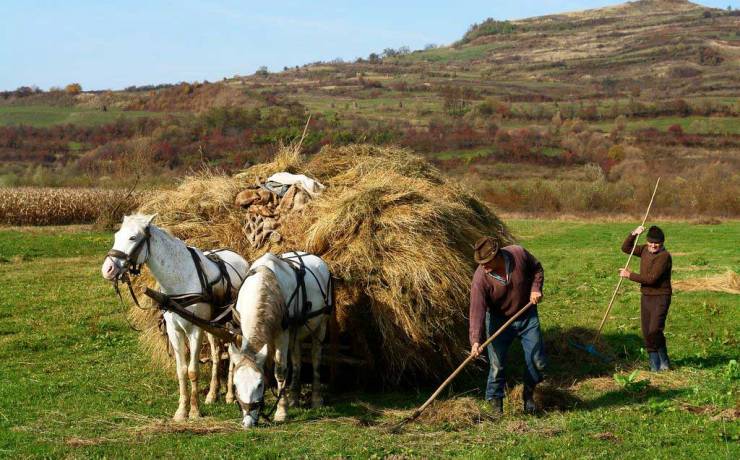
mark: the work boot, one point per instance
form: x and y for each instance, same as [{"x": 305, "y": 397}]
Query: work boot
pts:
[
  {"x": 528, "y": 398},
  {"x": 654, "y": 361},
  {"x": 497, "y": 406},
  {"x": 665, "y": 363}
]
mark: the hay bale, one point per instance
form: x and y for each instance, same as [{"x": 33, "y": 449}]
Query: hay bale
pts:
[
  {"x": 727, "y": 282},
  {"x": 392, "y": 228}
]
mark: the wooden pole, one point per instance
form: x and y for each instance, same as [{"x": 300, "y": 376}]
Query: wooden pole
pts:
[
  {"x": 460, "y": 368},
  {"x": 614, "y": 295}
]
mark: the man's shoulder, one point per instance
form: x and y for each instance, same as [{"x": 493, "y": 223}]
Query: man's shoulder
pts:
[
  {"x": 513, "y": 247},
  {"x": 515, "y": 250}
]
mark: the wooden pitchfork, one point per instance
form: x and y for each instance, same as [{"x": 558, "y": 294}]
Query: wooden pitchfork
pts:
[{"x": 590, "y": 348}]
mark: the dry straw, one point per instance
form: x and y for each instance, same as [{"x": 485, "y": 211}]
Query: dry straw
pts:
[
  {"x": 727, "y": 282},
  {"x": 395, "y": 232}
]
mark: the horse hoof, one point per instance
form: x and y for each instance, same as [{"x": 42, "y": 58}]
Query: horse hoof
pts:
[
  {"x": 229, "y": 399},
  {"x": 280, "y": 416},
  {"x": 194, "y": 414},
  {"x": 211, "y": 398},
  {"x": 180, "y": 416}
]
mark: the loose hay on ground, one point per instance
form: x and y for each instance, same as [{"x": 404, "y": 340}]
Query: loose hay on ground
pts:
[
  {"x": 727, "y": 282},
  {"x": 547, "y": 397},
  {"x": 394, "y": 231},
  {"x": 455, "y": 413}
]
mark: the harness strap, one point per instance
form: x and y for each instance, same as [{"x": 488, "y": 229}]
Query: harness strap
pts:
[{"x": 204, "y": 284}]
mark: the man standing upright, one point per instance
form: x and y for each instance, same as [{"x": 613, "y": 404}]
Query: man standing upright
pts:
[
  {"x": 505, "y": 281},
  {"x": 655, "y": 285}
]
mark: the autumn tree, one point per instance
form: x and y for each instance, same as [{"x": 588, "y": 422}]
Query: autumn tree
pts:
[{"x": 73, "y": 89}]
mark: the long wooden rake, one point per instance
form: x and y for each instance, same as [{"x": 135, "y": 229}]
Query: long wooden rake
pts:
[{"x": 590, "y": 348}]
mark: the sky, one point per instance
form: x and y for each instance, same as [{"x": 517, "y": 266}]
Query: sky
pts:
[{"x": 106, "y": 44}]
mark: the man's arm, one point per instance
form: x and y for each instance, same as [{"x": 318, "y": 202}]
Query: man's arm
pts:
[
  {"x": 477, "y": 310},
  {"x": 630, "y": 241},
  {"x": 538, "y": 277},
  {"x": 654, "y": 271}
]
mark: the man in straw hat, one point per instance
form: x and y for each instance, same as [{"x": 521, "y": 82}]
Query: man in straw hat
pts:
[
  {"x": 655, "y": 285},
  {"x": 505, "y": 281}
]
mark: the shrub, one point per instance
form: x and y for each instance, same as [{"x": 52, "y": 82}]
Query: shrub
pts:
[{"x": 73, "y": 89}]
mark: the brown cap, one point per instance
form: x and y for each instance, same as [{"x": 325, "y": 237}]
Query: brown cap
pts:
[{"x": 486, "y": 249}]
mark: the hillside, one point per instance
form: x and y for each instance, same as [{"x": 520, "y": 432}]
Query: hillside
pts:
[
  {"x": 650, "y": 49},
  {"x": 647, "y": 84}
]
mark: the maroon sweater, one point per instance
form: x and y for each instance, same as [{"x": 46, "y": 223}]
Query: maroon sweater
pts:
[
  {"x": 655, "y": 269},
  {"x": 487, "y": 293}
]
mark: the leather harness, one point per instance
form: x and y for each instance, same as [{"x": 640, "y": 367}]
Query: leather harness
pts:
[{"x": 181, "y": 301}]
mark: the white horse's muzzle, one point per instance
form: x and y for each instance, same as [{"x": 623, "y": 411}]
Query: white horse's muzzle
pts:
[
  {"x": 250, "y": 419},
  {"x": 110, "y": 269}
]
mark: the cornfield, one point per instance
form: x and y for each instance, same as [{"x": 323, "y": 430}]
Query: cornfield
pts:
[{"x": 61, "y": 206}]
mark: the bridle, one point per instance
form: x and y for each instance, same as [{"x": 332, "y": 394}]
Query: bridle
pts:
[
  {"x": 259, "y": 405},
  {"x": 131, "y": 266},
  {"x": 130, "y": 260}
]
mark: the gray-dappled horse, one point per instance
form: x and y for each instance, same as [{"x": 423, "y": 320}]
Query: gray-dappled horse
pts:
[
  {"x": 283, "y": 300},
  {"x": 206, "y": 281}
]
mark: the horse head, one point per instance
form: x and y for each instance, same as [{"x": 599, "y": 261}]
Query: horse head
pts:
[
  {"x": 249, "y": 382},
  {"x": 130, "y": 247}
]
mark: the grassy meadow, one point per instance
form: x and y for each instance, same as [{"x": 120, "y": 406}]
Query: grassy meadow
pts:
[
  {"x": 45, "y": 116},
  {"x": 75, "y": 383}
]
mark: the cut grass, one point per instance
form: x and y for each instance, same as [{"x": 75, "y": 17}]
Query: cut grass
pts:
[{"x": 76, "y": 384}]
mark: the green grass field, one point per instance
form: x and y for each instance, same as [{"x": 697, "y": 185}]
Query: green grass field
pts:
[
  {"x": 43, "y": 116},
  {"x": 74, "y": 382}
]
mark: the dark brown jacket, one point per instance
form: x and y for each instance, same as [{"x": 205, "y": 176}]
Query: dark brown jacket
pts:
[
  {"x": 526, "y": 275},
  {"x": 655, "y": 269}
]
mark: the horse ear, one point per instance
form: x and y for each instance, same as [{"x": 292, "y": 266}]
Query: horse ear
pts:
[
  {"x": 235, "y": 355},
  {"x": 150, "y": 218},
  {"x": 261, "y": 357}
]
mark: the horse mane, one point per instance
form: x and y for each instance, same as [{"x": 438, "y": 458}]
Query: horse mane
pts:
[{"x": 270, "y": 306}]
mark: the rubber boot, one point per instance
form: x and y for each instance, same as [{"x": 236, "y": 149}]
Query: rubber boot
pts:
[
  {"x": 497, "y": 406},
  {"x": 528, "y": 399},
  {"x": 654, "y": 361},
  {"x": 665, "y": 363}
]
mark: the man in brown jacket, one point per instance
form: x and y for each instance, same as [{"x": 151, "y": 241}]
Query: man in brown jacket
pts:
[
  {"x": 655, "y": 282},
  {"x": 506, "y": 280}
]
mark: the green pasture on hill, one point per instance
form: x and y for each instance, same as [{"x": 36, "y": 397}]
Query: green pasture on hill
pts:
[
  {"x": 75, "y": 383},
  {"x": 43, "y": 116}
]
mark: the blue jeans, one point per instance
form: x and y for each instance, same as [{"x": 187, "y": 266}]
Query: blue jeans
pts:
[{"x": 527, "y": 328}]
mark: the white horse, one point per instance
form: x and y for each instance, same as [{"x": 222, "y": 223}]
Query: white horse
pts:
[
  {"x": 273, "y": 321},
  {"x": 173, "y": 265}
]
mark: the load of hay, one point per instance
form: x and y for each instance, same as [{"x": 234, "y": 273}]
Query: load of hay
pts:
[{"x": 395, "y": 232}]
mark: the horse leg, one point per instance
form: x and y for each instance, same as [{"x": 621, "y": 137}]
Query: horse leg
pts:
[
  {"x": 316, "y": 341},
  {"x": 215, "y": 346},
  {"x": 281, "y": 369},
  {"x": 230, "y": 384},
  {"x": 177, "y": 340},
  {"x": 295, "y": 382},
  {"x": 194, "y": 341}
]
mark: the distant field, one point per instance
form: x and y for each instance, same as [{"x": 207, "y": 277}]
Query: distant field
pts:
[
  {"x": 691, "y": 124},
  {"x": 42, "y": 116},
  {"x": 76, "y": 384}
]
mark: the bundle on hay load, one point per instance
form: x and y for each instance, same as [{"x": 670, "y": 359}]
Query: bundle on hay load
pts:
[{"x": 395, "y": 232}]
